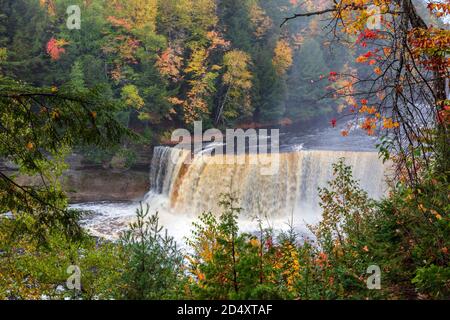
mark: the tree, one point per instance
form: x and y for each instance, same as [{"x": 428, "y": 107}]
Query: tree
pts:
[
  {"x": 218, "y": 247},
  {"x": 131, "y": 98},
  {"x": 343, "y": 203},
  {"x": 244, "y": 21},
  {"x": 407, "y": 83},
  {"x": 77, "y": 77},
  {"x": 201, "y": 85},
  {"x": 155, "y": 265},
  {"x": 306, "y": 89},
  {"x": 38, "y": 128},
  {"x": 282, "y": 59},
  {"x": 238, "y": 82},
  {"x": 19, "y": 19},
  {"x": 261, "y": 22}
]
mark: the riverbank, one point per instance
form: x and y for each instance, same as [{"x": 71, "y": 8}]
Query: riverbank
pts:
[{"x": 85, "y": 181}]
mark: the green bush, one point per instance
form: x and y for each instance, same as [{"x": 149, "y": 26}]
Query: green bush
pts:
[
  {"x": 30, "y": 270},
  {"x": 154, "y": 264}
]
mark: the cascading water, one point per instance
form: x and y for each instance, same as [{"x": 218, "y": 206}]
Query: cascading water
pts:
[
  {"x": 180, "y": 191},
  {"x": 293, "y": 189}
]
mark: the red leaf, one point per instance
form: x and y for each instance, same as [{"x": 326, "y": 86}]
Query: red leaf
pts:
[
  {"x": 54, "y": 49},
  {"x": 333, "y": 122}
]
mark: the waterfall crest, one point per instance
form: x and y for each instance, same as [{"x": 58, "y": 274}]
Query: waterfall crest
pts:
[{"x": 293, "y": 190}]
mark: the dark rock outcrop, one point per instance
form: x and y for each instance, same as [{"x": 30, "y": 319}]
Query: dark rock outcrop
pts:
[{"x": 89, "y": 182}]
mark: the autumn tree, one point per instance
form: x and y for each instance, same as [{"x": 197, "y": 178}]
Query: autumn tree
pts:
[
  {"x": 18, "y": 20},
  {"x": 238, "y": 82},
  {"x": 225, "y": 263},
  {"x": 201, "y": 80},
  {"x": 140, "y": 13},
  {"x": 282, "y": 59},
  {"x": 244, "y": 21},
  {"x": 404, "y": 96},
  {"x": 262, "y": 23},
  {"x": 398, "y": 92}
]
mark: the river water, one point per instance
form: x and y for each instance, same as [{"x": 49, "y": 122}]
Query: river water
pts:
[{"x": 289, "y": 196}]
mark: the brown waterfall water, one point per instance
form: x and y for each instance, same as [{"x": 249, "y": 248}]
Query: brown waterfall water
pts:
[{"x": 181, "y": 191}]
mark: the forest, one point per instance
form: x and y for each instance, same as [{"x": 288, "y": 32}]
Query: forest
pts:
[
  {"x": 174, "y": 62},
  {"x": 135, "y": 70}
]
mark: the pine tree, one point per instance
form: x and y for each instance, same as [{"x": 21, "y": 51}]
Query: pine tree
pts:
[
  {"x": 77, "y": 77},
  {"x": 305, "y": 86},
  {"x": 20, "y": 19},
  {"x": 238, "y": 82},
  {"x": 39, "y": 126}
]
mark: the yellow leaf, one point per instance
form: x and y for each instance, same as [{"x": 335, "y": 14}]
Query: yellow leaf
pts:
[{"x": 30, "y": 145}]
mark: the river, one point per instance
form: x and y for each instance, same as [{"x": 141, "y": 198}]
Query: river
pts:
[{"x": 289, "y": 196}]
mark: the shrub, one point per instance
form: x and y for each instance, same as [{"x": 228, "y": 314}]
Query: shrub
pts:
[
  {"x": 226, "y": 264},
  {"x": 154, "y": 264},
  {"x": 30, "y": 270}
]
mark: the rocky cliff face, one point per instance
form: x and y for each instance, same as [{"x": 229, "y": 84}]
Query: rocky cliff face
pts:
[
  {"x": 105, "y": 185},
  {"x": 88, "y": 182}
]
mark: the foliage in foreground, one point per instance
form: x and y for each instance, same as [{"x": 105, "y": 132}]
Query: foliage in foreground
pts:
[
  {"x": 407, "y": 235},
  {"x": 38, "y": 129},
  {"x": 154, "y": 265}
]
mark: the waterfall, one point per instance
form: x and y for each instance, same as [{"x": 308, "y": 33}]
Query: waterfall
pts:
[
  {"x": 165, "y": 165},
  {"x": 196, "y": 187}
]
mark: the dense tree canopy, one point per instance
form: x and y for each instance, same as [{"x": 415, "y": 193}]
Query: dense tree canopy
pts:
[{"x": 175, "y": 53}]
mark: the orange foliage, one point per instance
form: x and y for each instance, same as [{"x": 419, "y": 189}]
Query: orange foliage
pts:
[
  {"x": 169, "y": 64},
  {"x": 119, "y": 22},
  {"x": 55, "y": 48},
  {"x": 369, "y": 125}
]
